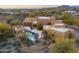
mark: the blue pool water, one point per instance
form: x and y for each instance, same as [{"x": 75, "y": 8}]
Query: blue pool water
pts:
[{"x": 31, "y": 35}]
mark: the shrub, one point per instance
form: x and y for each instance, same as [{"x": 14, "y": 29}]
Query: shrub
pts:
[
  {"x": 24, "y": 39},
  {"x": 15, "y": 22},
  {"x": 76, "y": 22},
  {"x": 64, "y": 46},
  {"x": 5, "y": 31},
  {"x": 39, "y": 26},
  {"x": 68, "y": 18}
]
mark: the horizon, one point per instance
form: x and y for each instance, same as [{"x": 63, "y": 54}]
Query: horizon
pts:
[
  {"x": 30, "y": 6},
  {"x": 26, "y": 6}
]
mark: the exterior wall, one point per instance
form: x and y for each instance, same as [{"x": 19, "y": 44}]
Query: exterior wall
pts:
[
  {"x": 61, "y": 25},
  {"x": 59, "y": 35},
  {"x": 70, "y": 34},
  {"x": 46, "y": 21}
]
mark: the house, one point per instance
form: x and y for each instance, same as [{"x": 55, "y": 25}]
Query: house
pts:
[
  {"x": 72, "y": 12},
  {"x": 58, "y": 31},
  {"x": 41, "y": 19}
]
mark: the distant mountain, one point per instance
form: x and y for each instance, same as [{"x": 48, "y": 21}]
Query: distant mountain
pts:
[
  {"x": 67, "y": 6},
  {"x": 64, "y": 6},
  {"x": 75, "y": 6}
]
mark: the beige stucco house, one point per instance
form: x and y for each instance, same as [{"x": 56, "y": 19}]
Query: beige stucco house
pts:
[{"x": 58, "y": 31}]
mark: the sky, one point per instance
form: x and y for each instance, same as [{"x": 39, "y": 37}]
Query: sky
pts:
[
  {"x": 34, "y": 3},
  {"x": 26, "y": 6},
  {"x": 39, "y": 2}
]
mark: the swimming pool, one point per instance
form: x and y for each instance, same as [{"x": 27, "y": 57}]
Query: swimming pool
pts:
[{"x": 31, "y": 35}]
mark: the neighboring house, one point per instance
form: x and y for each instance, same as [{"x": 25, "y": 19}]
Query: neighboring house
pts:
[
  {"x": 72, "y": 12},
  {"x": 58, "y": 31}
]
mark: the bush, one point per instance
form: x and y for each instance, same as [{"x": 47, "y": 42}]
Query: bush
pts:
[
  {"x": 64, "y": 46},
  {"x": 68, "y": 18},
  {"x": 15, "y": 22},
  {"x": 9, "y": 21},
  {"x": 76, "y": 22},
  {"x": 5, "y": 31},
  {"x": 25, "y": 40},
  {"x": 39, "y": 26}
]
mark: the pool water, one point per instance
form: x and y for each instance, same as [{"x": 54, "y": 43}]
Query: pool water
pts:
[{"x": 32, "y": 36}]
